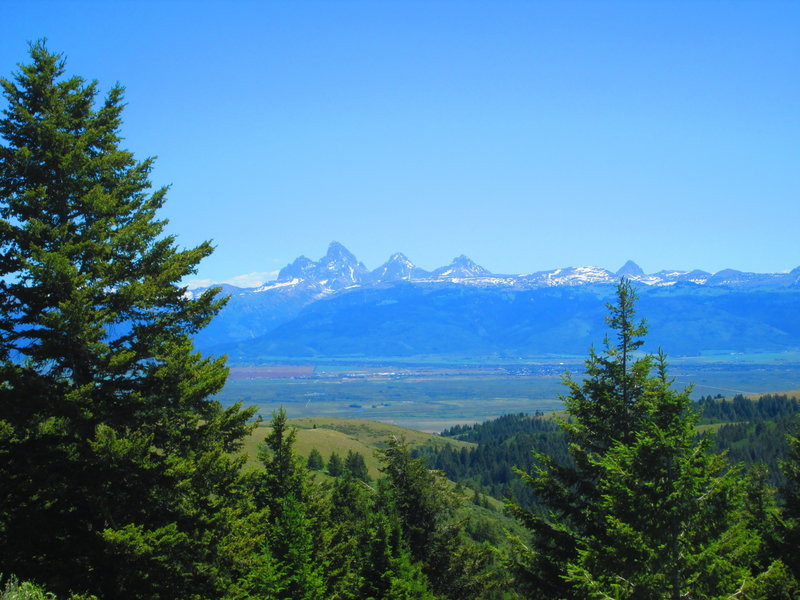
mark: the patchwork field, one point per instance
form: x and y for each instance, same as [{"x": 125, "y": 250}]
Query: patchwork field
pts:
[{"x": 433, "y": 397}]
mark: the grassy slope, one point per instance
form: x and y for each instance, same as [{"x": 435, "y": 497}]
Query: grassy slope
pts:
[
  {"x": 340, "y": 435},
  {"x": 790, "y": 394},
  {"x": 332, "y": 434}
]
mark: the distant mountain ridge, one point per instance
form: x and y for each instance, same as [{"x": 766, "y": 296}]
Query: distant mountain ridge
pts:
[
  {"x": 336, "y": 306},
  {"x": 340, "y": 269}
]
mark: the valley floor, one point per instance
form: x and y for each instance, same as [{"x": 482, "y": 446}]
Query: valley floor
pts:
[{"x": 430, "y": 397}]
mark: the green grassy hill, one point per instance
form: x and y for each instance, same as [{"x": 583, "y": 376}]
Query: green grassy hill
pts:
[{"x": 330, "y": 434}]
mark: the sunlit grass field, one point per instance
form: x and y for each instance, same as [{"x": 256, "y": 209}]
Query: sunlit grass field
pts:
[{"x": 328, "y": 434}]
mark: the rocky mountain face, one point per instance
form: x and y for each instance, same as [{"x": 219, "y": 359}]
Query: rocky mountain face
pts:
[
  {"x": 397, "y": 268},
  {"x": 335, "y": 306},
  {"x": 337, "y": 270},
  {"x": 461, "y": 268},
  {"x": 630, "y": 269}
]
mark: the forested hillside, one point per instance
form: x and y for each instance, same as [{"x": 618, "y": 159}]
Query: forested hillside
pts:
[
  {"x": 122, "y": 478},
  {"x": 751, "y": 432}
]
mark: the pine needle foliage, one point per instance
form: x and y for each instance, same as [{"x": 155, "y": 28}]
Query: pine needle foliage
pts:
[
  {"x": 118, "y": 477},
  {"x": 643, "y": 510}
]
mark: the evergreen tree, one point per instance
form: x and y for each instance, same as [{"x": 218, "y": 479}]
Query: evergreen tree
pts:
[
  {"x": 291, "y": 544},
  {"x": 283, "y": 475},
  {"x": 644, "y": 511},
  {"x": 315, "y": 461},
  {"x": 366, "y": 555},
  {"x": 790, "y": 529},
  {"x": 351, "y": 535},
  {"x": 774, "y": 580},
  {"x": 117, "y": 470},
  {"x": 355, "y": 466},
  {"x": 667, "y": 511},
  {"x": 293, "y": 536},
  {"x": 335, "y": 465},
  {"x": 424, "y": 505}
]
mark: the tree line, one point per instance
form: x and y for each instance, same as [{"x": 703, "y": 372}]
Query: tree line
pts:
[
  {"x": 122, "y": 477},
  {"x": 751, "y": 432}
]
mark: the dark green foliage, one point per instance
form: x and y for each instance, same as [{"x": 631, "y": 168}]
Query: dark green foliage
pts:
[
  {"x": 776, "y": 583},
  {"x": 667, "y": 512},
  {"x": 420, "y": 497},
  {"x": 283, "y": 475},
  {"x": 643, "y": 511},
  {"x": 504, "y": 444},
  {"x": 335, "y": 465},
  {"x": 353, "y": 531},
  {"x": 756, "y": 443},
  {"x": 502, "y": 427},
  {"x": 790, "y": 495},
  {"x": 754, "y": 431},
  {"x": 350, "y": 543},
  {"x": 768, "y": 407},
  {"x": 117, "y": 473},
  {"x": 425, "y": 505},
  {"x": 367, "y": 556},
  {"x": 355, "y": 466},
  {"x": 315, "y": 461},
  {"x": 289, "y": 567}
]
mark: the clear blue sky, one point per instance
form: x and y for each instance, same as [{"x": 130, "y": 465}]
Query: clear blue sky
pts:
[{"x": 527, "y": 135}]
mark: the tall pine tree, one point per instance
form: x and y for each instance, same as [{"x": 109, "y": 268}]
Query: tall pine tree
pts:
[
  {"x": 116, "y": 470},
  {"x": 295, "y": 509},
  {"x": 644, "y": 510},
  {"x": 424, "y": 504}
]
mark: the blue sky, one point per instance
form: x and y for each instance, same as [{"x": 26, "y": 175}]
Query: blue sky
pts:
[{"x": 527, "y": 135}]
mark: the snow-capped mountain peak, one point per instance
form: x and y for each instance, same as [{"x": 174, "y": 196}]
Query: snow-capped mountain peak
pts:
[
  {"x": 339, "y": 269},
  {"x": 397, "y": 268},
  {"x": 462, "y": 267}
]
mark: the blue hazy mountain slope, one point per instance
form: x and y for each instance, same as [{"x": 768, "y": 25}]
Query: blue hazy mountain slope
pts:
[
  {"x": 414, "y": 320},
  {"x": 336, "y": 307}
]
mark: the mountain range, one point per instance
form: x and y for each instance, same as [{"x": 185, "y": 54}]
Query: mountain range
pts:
[{"x": 336, "y": 307}]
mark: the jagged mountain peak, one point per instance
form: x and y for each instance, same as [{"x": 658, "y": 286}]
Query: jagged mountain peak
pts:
[
  {"x": 630, "y": 269},
  {"x": 399, "y": 257},
  {"x": 461, "y": 267},
  {"x": 300, "y": 268},
  {"x": 305, "y": 288},
  {"x": 338, "y": 269},
  {"x": 463, "y": 260},
  {"x": 337, "y": 251},
  {"x": 397, "y": 268}
]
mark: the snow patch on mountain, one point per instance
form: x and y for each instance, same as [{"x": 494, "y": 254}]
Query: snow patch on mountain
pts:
[{"x": 279, "y": 284}]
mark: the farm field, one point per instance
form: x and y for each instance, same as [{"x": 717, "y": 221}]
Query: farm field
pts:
[{"x": 432, "y": 397}]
